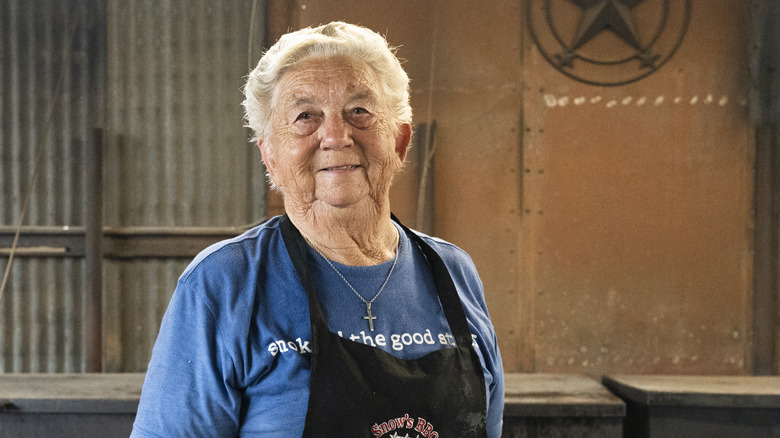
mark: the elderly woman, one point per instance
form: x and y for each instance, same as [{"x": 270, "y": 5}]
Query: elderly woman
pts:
[{"x": 333, "y": 320}]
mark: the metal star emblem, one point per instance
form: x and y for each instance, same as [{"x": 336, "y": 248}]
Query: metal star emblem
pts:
[
  {"x": 646, "y": 35},
  {"x": 600, "y": 15}
]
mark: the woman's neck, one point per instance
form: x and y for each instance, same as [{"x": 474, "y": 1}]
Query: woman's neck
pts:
[{"x": 350, "y": 236}]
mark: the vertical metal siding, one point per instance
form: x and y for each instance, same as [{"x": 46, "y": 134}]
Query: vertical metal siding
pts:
[
  {"x": 165, "y": 85},
  {"x": 137, "y": 294},
  {"x": 41, "y": 317},
  {"x": 41, "y": 308},
  {"x": 177, "y": 151}
]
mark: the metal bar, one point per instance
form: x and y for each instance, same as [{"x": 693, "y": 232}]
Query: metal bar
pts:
[
  {"x": 63, "y": 242},
  {"x": 765, "y": 281},
  {"x": 35, "y": 251},
  {"x": 117, "y": 243},
  {"x": 765, "y": 116},
  {"x": 185, "y": 243},
  {"x": 93, "y": 314}
]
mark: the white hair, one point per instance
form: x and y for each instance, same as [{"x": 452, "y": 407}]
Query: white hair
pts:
[{"x": 333, "y": 39}]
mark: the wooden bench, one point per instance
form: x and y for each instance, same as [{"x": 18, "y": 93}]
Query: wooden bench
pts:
[
  {"x": 68, "y": 405},
  {"x": 555, "y": 405},
  {"x": 699, "y": 406}
]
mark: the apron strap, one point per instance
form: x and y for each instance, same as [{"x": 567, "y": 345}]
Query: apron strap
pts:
[
  {"x": 296, "y": 249},
  {"x": 448, "y": 293}
]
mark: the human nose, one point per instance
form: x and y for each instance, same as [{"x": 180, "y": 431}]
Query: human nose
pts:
[{"x": 335, "y": 133}]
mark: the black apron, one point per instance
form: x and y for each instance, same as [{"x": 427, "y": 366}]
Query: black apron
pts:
[{"x": 361, "y": 391}]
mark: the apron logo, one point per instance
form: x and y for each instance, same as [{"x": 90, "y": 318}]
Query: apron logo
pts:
[
  {"x": 421, "y": 426},
  {"x": 607, "y": 42}
]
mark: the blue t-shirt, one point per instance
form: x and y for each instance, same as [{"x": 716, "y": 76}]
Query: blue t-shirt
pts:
[{"x": 233, "y": 355}]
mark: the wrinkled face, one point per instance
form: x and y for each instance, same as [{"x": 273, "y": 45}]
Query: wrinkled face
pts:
[{"x": 331, "y": 139}]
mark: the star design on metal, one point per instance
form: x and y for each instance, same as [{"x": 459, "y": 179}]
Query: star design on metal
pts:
[
  {"x": 600, "y": 15},
  {"x": 646, "y": 33}
]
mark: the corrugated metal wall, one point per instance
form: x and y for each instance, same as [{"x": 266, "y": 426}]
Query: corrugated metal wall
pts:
[
  {"x": 162, "y": 79},
  {"x": 176, "y": 153},
  {"x": 42, "y": 306}
]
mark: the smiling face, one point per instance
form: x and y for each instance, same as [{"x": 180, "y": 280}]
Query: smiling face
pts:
[{"x": 332, "y": 142}]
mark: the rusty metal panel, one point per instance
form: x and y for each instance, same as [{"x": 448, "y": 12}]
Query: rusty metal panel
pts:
[
  {"x": 611, "y": 224},
  {"x": 638, "y": 206}
]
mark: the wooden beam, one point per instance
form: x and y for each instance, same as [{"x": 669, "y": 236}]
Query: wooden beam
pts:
[{"x": 120, "y": 243}]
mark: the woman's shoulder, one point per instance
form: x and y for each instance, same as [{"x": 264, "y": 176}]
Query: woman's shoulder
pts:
[
  {"x": 462, "y": 269},
  {"x": 452, "y": 255},
  {"x": 236, "y": 255},
  {"x": 234, "y": 273},
  {"x": 235, "y": 277}
]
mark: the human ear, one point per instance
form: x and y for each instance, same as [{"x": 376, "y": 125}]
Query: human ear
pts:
[
  {"x": 402, "y": 139},
  {"x": 268, "y": 158}
]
